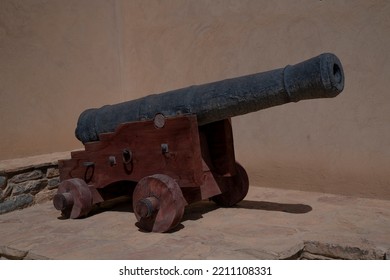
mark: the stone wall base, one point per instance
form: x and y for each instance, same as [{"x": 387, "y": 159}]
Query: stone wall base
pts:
[{"x": 25, "y": 182}]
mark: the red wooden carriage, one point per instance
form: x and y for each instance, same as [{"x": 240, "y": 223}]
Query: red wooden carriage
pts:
[{"x": 165, "y": 164}]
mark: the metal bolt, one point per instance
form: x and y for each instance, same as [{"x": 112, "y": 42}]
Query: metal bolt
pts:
[
  {"x": 164, "y": 148},
  {"x": 112, "y": 160},
  {"x": 159, "y": 120}
]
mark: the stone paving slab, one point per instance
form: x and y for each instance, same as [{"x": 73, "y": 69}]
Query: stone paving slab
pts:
[
  {"x": 268, "y": 224},
  {"x": 11, "y": 165}
]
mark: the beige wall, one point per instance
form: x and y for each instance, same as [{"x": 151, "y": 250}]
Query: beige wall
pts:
[{"x": 58, "y": 58}]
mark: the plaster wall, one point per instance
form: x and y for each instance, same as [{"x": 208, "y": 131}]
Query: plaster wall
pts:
[{"x": 61, "y": 57}]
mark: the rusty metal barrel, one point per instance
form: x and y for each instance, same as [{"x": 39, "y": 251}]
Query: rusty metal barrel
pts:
[{"x": 319, "y": 77}]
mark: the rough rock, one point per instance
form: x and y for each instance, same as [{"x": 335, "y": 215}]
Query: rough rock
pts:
[
  {"x": 45, "y": 195},
  {"x": 310, "y": 256},
  {"x": 20, "y": 178},
  {"x": 3, "y": 182},
  {"x": 341, "y": 252},
  {"x": 32, "y": 187},
  {"x": 32, "y": 256},
  {"x": 52, "y": 172},
  {"x": 53, "y": 183},
  {"x": 16, "y": 202},
  {"x": 7, "y": 191},
  {"x": 11, "y": 253}
]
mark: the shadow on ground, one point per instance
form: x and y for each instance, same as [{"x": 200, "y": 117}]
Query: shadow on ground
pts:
[
  {"x": 196, "y": 210},
  {"x": 275, "y": 206}
]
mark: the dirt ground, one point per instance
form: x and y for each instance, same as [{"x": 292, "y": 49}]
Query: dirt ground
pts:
[{"x": 267, "y": 224}]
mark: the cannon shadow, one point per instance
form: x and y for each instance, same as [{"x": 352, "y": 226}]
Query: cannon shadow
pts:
[
  {"x": 119, "y": 204},
  {"x": 292, "y": 208},
  {"x": 197, "y": 210}
]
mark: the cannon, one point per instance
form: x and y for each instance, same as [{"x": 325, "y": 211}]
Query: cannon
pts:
[{"x": 172, "y": 149}]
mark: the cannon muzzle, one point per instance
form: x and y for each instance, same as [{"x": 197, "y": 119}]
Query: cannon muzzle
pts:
[{"x": 319, "y": 77}]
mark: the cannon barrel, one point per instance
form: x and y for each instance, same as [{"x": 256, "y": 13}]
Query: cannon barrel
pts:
[{"x": 319, "y": 77}]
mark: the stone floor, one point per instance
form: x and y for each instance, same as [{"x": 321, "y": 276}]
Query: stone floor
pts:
[{"x": 268, "y": 224}]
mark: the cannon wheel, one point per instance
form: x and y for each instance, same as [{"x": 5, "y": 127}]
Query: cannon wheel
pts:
[
  {"x": 158, "y": 203},
  {"x": 234, "y": 188},
  {"x": 73, "y": 198}
]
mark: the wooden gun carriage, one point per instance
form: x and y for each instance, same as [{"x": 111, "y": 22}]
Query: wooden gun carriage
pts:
[{"x": 172, "y": 149}]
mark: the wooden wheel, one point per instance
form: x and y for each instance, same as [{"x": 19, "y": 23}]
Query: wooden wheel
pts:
[
  {"x": 234, "y": 189},
  {"x": 73, "y": 198},
  {"x": 158, "y": 203}
]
